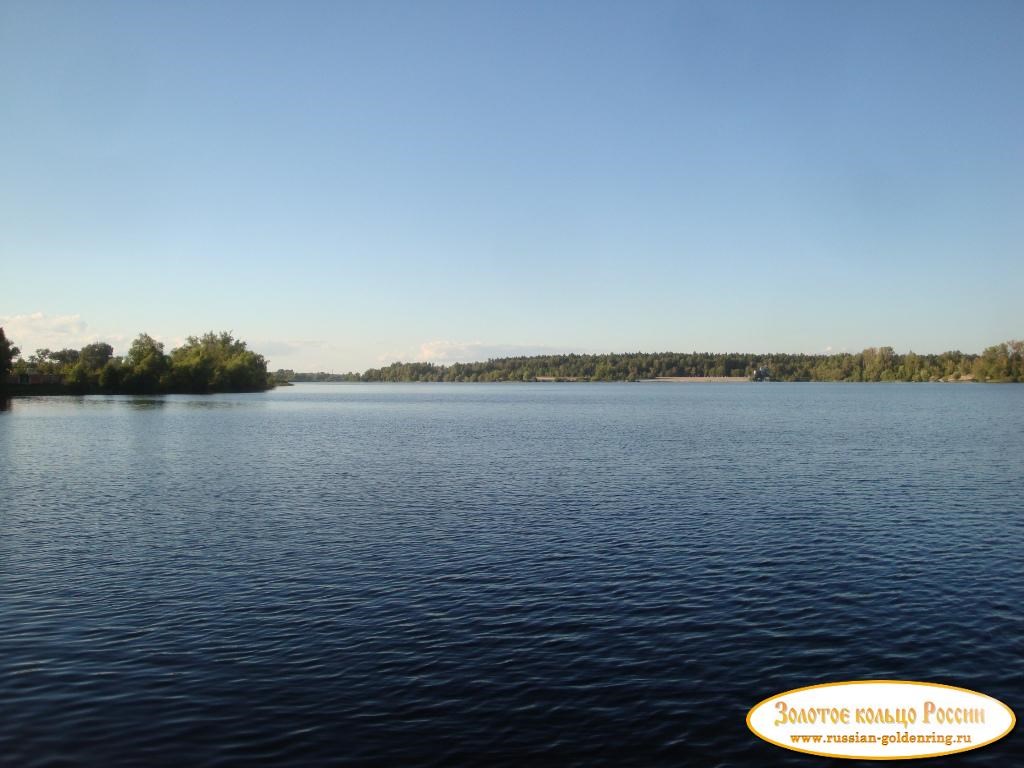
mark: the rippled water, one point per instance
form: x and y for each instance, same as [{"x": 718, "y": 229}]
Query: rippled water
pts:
[{"x": 564, "y": 574}]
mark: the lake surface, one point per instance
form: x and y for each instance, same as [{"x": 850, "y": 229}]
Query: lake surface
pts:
[{"x": 503, "y": 574}]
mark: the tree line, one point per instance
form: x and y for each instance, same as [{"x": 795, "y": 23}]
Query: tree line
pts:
[
  {"x": 213, "y": 362},
  {"x": 220, "y": 363},
  {"x": 999, "y": 363}
]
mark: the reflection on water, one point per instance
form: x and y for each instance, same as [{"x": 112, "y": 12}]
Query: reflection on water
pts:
[{"x": 147, "y": 403}]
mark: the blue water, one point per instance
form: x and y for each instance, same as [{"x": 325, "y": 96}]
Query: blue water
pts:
[{"x": 503, "y": 574}]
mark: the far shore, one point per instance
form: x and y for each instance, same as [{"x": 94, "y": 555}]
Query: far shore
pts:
[{"x": 677, "y": 379}]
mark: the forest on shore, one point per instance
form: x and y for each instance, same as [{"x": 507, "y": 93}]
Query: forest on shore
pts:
[
  {"x": 213, "y": 362},
  {"x": 217, "y": 362},
  {"x": 999, "y": 363}
]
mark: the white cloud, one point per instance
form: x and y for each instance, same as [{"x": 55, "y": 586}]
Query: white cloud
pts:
[
  {"x": 38, "y": 324},
  {"x": 35, "y": 330},
  {"x": 39, "y": 330}
]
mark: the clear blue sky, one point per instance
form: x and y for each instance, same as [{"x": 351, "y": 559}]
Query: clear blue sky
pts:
[{"x": 346, "y": 183}]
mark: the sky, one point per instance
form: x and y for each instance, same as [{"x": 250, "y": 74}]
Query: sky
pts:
[{"x": 346, "y": 184}]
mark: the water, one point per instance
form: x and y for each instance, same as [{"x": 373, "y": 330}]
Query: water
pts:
[{"x": 563, "y": 574}]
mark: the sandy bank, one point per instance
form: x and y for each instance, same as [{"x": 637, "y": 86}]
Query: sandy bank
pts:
[{"x": 702, "y": 379}]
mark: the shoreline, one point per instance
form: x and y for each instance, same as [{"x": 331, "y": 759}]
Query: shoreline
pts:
[
  {"x": 56, "y": 390},
  {"x": 698, "y": 380}
]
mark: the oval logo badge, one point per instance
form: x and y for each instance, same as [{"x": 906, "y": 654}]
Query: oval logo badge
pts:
[{"x": 881, "y": 719}]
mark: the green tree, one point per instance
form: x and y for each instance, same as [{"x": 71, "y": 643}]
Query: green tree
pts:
[
  {"x": 1015, "y": 350},
  {"x": 217, "y": 363},
  {"x": 111, "y": 376},
  {"x": 145, "y": 366},
  {"x": 994, "y": 363},
  {"x": 81, "y": 379},
  {"x": 95, "y": 356},
  {"x": 7, "y": 354},
  {"x": 65, "y": 356},
  {"x": 40, "y": 357}
]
